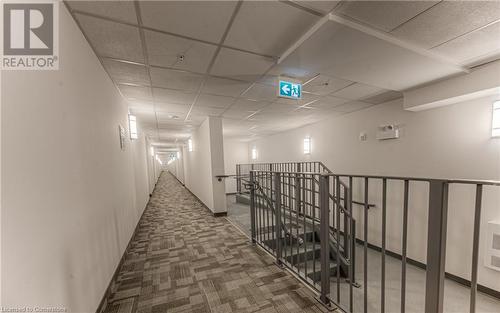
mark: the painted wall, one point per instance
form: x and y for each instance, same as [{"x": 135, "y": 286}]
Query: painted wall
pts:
[
  {"x": 71, "y": 198},
  {"x": 448, "y": 142},
  {"x": 205, "y": 162},
  {"x": 235, "y": 152}
]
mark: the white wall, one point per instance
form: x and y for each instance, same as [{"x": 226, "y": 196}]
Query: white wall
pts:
[
  {"x": 235, "y": 152},
  {"x": 205, "y": 162},
  {"x": 71, "y": 198},
  {"x": 449, "y": 142}
]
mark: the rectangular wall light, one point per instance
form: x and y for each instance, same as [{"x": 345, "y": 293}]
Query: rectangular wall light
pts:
[
  {"x": 190, "y": 145},
  {"x": 495, "y": 120},
  {"x": 132, "y": 126},
  {"x": 254, "y": 153},
  {"x": 307, "y": 145},
  {"x": 178, "y": 154},
  {"x": 152, "y": 151}
]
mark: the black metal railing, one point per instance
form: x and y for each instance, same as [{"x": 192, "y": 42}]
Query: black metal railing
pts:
[{"x": 306, "y": 220}]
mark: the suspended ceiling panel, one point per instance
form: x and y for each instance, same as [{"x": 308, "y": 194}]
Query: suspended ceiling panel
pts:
[
  {"x": 240, "y": 65},
  {"x": 268, "y": 29},
  {"x": 448, "y": 20},
  {"x": 383, "y": 15},
  {"x": 350, "y": 54},
  {"x": 175, "y": 79},
  {"x": 474, "y": 46},
  {"x": 123, "y": 72},
  {"x": 205, "y": 20},
  {"x": 122, "y": 10},
  {"x": 224, "y": 86},
  {"x": 164, "y": 50},
  {"x": 112, "y": 39}
]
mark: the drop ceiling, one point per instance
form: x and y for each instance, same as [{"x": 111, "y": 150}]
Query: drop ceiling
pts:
[{"x": 177, "y": 62}]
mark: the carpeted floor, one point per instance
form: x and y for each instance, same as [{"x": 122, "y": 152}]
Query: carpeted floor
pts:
[{"x": 182, "y": 259}]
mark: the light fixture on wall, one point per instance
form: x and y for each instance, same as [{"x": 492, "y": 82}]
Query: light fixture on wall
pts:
[
  {"x": 495, "y": 120},
  {"x": 178, "y": 154},
  {"x": 132, "y": 125},
  {"x": 190, "y": 145},
  {"x": 307, "y": 145},
  {"x": 254, "y": 153},
  {"x": 152, "y": 151}
]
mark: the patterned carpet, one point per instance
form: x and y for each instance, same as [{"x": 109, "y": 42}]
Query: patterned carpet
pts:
[{"x": 182, "y": 259}]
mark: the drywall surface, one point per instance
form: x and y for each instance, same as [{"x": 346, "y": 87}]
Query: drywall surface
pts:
[
  {"x": 235, "y": 152},
  {"x": 205, "y": 162},
  {"x": 71, "y": 197},
  {"x": 448, "y": 142}
]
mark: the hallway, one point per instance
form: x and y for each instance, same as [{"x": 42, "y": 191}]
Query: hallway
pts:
[{"x": 182, "y": 259}]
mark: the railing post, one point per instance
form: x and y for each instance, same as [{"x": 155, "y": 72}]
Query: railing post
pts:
[
  {"x": 436, "y": 245},
  {"x": 252, "y": 206},
  {"x": 324, "y": 188},
  {"x": 298, "y": 204},
  {"x": 277, "y": 209}
]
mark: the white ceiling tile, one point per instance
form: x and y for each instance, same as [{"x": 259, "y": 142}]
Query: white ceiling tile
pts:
[
  {"x": 323, "y": 85},
  {"x": 248, "y": 105},
  {"x": 328, "y": 102},
  {"x": 474, "y": 45},
  {"x": 135, "y": 92},
  {"x": 164, "y": 50},
  {"x": 123, "y": 10},
  {"x": 448, "y": 20},
  {"x": 383, "y": 97},
  {"x": 307, "y": 98},
  {"x": 224, "y": 87},
  {"x": 320, "y": 6},
  {"x": 352, "y": 106},
  {"x": 278, "y": 108},
  {"x": 205, "y": 20},
  {"x": 141, "y": 105},
  {"x": 236, "y": 114},
  {"x": 112, "y": 39},
  {"x": 261, "y": 92},
  {"x": 357, "y": 91},
  {"x": 175, "y": 79},
  {"x": 173, "y": 96},
  {"x": 257, "y": 27},
  {"x": 169, "y": 109},
  {"x": 340, "y": 51},
  {"x": 384, "y": 15},
  {"x": 214, "y": 101},
  {"x": 123, "y": 72},
  {"x": 240, "y": 65},
  {"x": 207, "y": 111}
]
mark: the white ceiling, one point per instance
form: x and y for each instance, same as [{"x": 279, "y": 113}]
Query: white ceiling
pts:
[{"x": 365, "y": 54}]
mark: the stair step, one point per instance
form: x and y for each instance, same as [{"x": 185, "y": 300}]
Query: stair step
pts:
[
  {"x": 314, "y": 269},
  {"x": 303, "y": 255},
  {"x": 243, "y": 198}
]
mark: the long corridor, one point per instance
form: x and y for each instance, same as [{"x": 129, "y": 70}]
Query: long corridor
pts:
[{"x": 182, "y": 259}]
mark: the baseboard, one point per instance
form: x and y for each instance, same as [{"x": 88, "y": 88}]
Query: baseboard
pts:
[
  {"x": 465, "y": 282},
  {"x": 215, "y": 214},
  {"x": 230, "y": 193},
  {"x": 219, "y": 214}
]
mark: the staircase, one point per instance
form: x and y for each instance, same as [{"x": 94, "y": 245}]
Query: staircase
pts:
[{"x": 286, "y": 221}]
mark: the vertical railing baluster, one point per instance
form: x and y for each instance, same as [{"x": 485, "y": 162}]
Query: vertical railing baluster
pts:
[
  {"x": 324, "y": 238},
  {"x": 352, "y": 252},
  {"x": 365, "y": 250},
  {"x": 252, "y": 206},
  {"x": 277, "y": 209},
  {"x": 404, "y": 246},
  {"x": 337, "y": 212},
  {"x": 475, "y": 247},
  {"x": 384, "y": 218}
]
